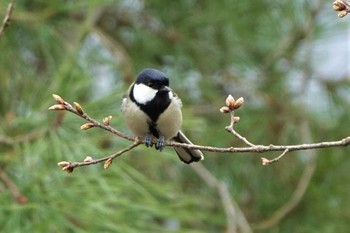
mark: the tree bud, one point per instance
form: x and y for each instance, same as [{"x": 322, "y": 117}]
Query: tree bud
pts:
[
  {"x": 338, "y": 6},
  {"x": 265, "y": 161},
  {"x": 230, "y": 102},
  {"x": 57, "y": 107},
  {"x": 239, "y": 102},
  {"x": 87, "y": 126},
  {"x": 225, "y": 109},
  {"x": 108, "y": 163},
  {"x": 58, "y": 99},
  {"x": 236, "y": 119},
  {"x": 107, "y": 120},
  {"x": 68, "y": 169},
  {"x": 343, "y": 13},
  {"x": 78, "y": 108},
  {"x": 88, "y": 159},
  {"x": 63, "y": 164}
]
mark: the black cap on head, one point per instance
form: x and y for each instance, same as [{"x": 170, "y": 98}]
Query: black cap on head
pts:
[{"x": 152, "y": 77}]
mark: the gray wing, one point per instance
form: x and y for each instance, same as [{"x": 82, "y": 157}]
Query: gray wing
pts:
[
  {"x": 187, "y": 155},
  {"x": 124, "y": 102}
]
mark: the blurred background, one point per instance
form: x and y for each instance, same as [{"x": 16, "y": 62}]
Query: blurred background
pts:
[{"x": 288, "y": 59}]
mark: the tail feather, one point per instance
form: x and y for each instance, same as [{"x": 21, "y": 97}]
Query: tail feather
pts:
[{"x": 187, "y": 155}]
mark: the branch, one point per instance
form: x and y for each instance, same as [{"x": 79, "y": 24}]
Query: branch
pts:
[
  {"x": 69, "y": 166},
  {"x": 266, "y": 161},
  {"x": 263, "y": 149},
  {"x": 7, "y": 18},
  {"x": 231, "y": 106}
]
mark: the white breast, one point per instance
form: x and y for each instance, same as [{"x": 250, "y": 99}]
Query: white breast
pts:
[
  {"x": 135, "y": 119},
  {"x": 169, "y": 123}
]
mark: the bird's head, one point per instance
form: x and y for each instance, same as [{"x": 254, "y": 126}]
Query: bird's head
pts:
[{"x": 149, "y": 84}]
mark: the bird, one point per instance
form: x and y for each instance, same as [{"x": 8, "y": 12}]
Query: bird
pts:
[{"x": 152, "y": 111}]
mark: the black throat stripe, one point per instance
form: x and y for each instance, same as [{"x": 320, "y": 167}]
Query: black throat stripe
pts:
[
  {"x": 153, "y": 108},
  {"x": 152, "y": 126}
]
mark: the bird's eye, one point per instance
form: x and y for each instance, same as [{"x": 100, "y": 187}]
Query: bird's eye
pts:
[{"x": 150, "y": 84}]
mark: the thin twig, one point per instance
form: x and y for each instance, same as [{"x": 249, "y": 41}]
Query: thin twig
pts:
[
  {"x": 262, "y": 148},
  {"x": 69, "y": 166},
  {"x": 10, "y": 184},
  {"x": 77, "y": 110},
  {"x": 254, "y": 148},
  {"x": 230, "y": 107},
  {"x": 266, "y": 161},
  {"x": 240, "y": 137},
  {"x": 7, "y": 18},
  {"x": 97, "y": 123}
]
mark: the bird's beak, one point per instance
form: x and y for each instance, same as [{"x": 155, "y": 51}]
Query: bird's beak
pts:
[{"x": 164, "y": 89}]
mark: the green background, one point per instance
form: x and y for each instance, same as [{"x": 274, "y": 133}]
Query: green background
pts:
[{"x": 288, "y": 59}]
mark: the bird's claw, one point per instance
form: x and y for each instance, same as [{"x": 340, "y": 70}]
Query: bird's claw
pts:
[
  {"x": 148, "y": 140},
  {"x": 160, "y": 143}
]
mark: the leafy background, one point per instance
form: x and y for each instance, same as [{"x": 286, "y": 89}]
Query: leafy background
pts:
[{"x": 288, "y": 59}]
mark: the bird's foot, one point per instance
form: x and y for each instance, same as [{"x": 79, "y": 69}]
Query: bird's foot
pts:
[
  {"x": 148, "y": 140},
  {"x": 160, "y": 143}
]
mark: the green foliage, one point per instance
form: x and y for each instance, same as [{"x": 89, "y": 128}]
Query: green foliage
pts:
[{"x": 90, "y": 51}]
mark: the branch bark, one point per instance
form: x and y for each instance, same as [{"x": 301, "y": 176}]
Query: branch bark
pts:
[{"x": 251, "y": 148}]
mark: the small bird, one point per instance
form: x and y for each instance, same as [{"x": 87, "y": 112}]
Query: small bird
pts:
[{"x": 153, "y": 111}]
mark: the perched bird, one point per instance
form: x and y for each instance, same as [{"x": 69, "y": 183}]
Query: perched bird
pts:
[{"x": 152, "y": 111}]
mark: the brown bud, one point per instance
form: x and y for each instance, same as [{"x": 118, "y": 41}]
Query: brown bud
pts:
[
  {"x": 58, "y": 99},
  {"x": 87, "y": 126},
  {"x": 88, "y": 159},
  {"x": 63, "y": 164},
  {"x": 338, "y": 6},
  {"x": 108, "y": 163},
  {"x": 107, "y": 120},
  {"x": 66, "y": 166},
  {"x": 57, "y": 107},
  {"x": 225, "y": 109},
  {"x": 265, "y": 161},
  {"x": 230, "y": 102},
  {"x": 68, "y": 169},
  {"x": 343, "y": 13},
  {"x": 78, "y": 108},
  {"x": 239, "y": 102}
]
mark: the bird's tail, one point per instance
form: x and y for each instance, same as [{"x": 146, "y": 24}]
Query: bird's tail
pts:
[{"x": 187, "y": 155}]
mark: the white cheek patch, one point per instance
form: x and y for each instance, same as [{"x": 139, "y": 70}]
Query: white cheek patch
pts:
[{"x": 143, "y": 93}]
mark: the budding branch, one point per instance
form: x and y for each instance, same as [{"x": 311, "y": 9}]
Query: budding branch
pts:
[{"x": 231, "y": 106}]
